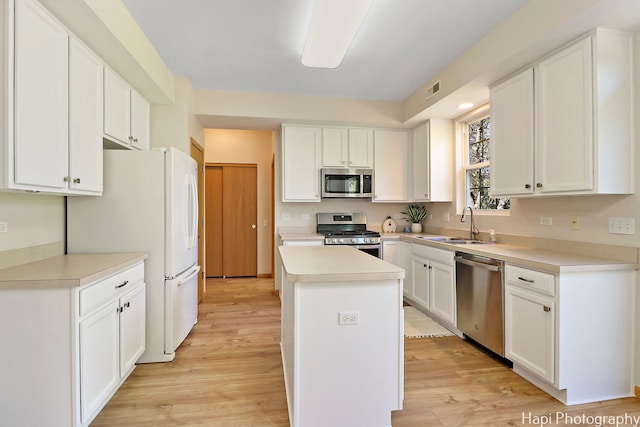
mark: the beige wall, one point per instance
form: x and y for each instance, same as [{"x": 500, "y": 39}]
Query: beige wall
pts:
[{"x": 251, "y": 147}]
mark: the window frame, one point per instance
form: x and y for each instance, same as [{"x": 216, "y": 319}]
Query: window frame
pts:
[{"x": 462, "y": 161}]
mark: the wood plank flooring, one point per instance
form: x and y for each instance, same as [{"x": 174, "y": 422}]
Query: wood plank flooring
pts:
[{"x": 228, "y": 373}]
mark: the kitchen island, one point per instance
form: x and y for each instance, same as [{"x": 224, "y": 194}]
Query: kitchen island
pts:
[{"x": 342, "y": 336}]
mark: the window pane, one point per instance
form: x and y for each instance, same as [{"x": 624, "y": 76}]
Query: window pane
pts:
[
  {"x": 478, "y": 191},
  {"x": 479, "y": 136}
]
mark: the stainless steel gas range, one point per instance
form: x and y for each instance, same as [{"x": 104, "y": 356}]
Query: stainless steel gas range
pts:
[{"x": 348, "y": 228}]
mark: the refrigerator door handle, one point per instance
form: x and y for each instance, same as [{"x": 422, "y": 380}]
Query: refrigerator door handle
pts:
[
  {"x": 193, "y": 214},
  {"x": 184, "y": 280}
]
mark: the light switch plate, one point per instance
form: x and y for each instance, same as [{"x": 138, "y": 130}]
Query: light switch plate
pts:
[{"x": 619, "y": 225}]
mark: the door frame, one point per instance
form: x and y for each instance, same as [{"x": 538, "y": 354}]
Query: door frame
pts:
[{"x": 198, "y": 150}]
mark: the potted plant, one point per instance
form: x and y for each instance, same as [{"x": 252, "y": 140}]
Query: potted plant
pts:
[{"x": 415, "y": 214}]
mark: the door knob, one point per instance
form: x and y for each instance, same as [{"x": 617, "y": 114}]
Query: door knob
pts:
[{"x": 253, "y": 226}]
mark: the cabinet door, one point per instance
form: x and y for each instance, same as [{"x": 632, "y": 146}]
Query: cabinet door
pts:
[
  {"x": 442, "y": 291},
  {"x": 140, "y": 121},
  {"x": 41, "y": 98},
  {"x": 564, "y": 120},
  {"x": 529, "y": 331},
  {"x": 117, "y": 108},
  {"x": 132, "y": 327},
  {"x": 99, "y": 358},
  {"x": 85, "y": 119},
  {"x": 420, "y": 274},
  {"x": 512, "y": 146},
  {"x": 301, "y": 153},
  {"x": 334, "y": 147},
  {"x": 421, "y": 163},
  {"x": 406, "y": 264},
  {"x": 360, "y": 148},
  {"x": 391, "y": 166}
]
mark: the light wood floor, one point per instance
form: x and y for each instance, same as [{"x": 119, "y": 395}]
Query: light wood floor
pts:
[{"x": 228, "y": 373}]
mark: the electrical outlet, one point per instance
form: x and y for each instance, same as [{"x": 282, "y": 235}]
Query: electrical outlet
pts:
[
  {"x": 4, "y": 227},
  {"x": 284, "y": 216},
  {"x": 546, "y": 220},
  {"x": 348, "y": 317},
  {"x": 305, "y": 217},
  {"x": 445, "y": 216},
  {"x": 574, "y": 220}
]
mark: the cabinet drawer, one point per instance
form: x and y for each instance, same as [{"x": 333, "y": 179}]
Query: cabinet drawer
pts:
[
  {"x": 96, "y": 295},
  {"x": 530, "y": 279},
  {"x": 433, "y": 254}
]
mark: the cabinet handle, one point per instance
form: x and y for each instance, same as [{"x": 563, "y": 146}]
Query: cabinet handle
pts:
[
  {"x": 527, "y": 186},
  {"x": 130, "y": 138},
  {"x": 526, "y": 280},
  {"x": 135, "y": 140},
  {"x": 538, "y": 185},
  {"x": 76, "y": 180},
  {"x": 127, "y": 304},
  {"x": 67, "y": 179},
  {"x": 546, "y": 308},
  {"x": 425, "y": 265},
  {"x": 119, "y": 310},
  {"x": 123, "y": 284}
]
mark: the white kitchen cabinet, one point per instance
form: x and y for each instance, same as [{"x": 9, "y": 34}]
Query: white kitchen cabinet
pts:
[
  {"x": 347, "y": 147},
  {"x": 576, "y": 106},
  {"x": 391, "y": 166},
  {"x": 433, "y": 277},
  {"x": 126, "y": 113},
  {"x": 391, "y": 252},
  {"x": 56, "y": 109},
  {"x": 558, "y": 330},
  {"x": 433, "y": 161},
  {"x": 530, "y": 323},
  {"x": 85, "y": 314},
  {"x": 85, "y": 119},
  {"x": 301, "y": 160}
]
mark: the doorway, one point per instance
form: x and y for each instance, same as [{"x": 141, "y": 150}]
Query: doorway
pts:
[
  {"x": 197, "y": 153},
  {"x": 231, "y": 220}
]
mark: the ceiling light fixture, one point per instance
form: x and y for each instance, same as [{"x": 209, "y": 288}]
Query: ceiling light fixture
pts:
[
  {"x": 333, "y": 26},
  {"x": 465, "y": 106}
]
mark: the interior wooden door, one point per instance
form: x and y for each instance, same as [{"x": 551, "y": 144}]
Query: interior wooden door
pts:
[
  {"x": 239, "y": 218},
  {"x": 231, "y": 220},
  {"x": 213, "y": 220}
]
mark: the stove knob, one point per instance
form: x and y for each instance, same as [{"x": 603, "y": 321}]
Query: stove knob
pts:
[
  {"x": 341, "y": 240},
  {"x": 334, "y": 240},
  {"x": 354, "y": 240},
  {"x": 370, "y": 239}
]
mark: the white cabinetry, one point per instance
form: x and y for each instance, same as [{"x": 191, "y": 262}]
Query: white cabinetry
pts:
[
  {"x": 301, "y": 160},
  {"x": 433, "y": 161},
  {"x": 126, "y": 113},
  {"x": 52, "y": 105},
  {"x": 558, "y": 331},
  {"x": 347, "y": 147},
  {"x": 399, "y": 253},
  {"x": 88, "y": 339},
  {"x": 433, "y": 276},
  {"x": 582, "y": 133},
  {"x": 391, "y": 166}
]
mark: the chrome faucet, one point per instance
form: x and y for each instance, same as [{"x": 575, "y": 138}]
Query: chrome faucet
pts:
[{"x": 473, "y": 230}]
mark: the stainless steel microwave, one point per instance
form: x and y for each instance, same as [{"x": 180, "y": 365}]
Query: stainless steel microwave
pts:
[{"x": 340, "y": 183}]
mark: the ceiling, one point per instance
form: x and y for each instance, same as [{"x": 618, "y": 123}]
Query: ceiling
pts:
[{"x": 256, "y": 45}]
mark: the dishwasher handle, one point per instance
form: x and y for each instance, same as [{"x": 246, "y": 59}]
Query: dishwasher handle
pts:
[{"x": 477, "y": 264}]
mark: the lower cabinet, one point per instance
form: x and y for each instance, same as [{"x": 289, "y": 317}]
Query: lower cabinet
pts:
[
  {"x": 71, "y": 347},
  {"x": 558, "y": 331},
  {"x": 433, "y": 285}
]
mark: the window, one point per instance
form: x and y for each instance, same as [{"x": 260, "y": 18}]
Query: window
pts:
[{"x": 477, "y": 168}]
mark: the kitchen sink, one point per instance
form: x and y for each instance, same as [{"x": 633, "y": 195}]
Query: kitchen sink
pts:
[{"x": 452, "y": 240}]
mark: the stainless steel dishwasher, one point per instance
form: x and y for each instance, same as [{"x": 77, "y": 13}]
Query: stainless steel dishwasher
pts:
[{"x": 479, "y": 300}]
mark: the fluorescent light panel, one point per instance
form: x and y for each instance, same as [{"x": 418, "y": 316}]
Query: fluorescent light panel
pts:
[{"x": 333, "y": 26}]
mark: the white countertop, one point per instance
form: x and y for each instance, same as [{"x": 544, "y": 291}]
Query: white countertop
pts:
[
  {"x": 539, "y": 259},
  {"x": 67, "y": 271},
  {"x": 334, "y": 264}
]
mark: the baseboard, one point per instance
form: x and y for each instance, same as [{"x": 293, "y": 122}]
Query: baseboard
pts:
[
  {"x": 637, "y": 392},
  {"x": 265, "y": 276}
]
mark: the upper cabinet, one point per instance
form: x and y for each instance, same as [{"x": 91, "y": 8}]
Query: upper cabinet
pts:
[
  {"x": 301, "y": 160},
  {"x": 347, "y": 147},
  {"x": 565, "y": 126},
  {"x": 433, "y": 161},
  {"x": 52, "y": 100},
  {"x": 126, "y": 113},
  {"x": 391, "y": 166}
]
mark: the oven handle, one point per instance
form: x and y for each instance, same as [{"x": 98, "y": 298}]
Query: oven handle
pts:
[{"x": 363, "y": 246}]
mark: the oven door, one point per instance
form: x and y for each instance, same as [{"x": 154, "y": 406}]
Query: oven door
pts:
[{"x": 370, "y": 249}]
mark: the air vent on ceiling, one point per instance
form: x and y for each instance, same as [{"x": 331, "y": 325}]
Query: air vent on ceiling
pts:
[{"x": 433, "y": 89}]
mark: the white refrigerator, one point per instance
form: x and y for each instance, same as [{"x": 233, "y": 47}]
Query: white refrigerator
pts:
[{"x": 149, "y": 204}]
